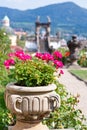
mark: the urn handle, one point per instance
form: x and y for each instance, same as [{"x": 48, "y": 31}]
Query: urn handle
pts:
[
  {"x": 17, "y": 105},
  {"x": 55, "y": 101}
]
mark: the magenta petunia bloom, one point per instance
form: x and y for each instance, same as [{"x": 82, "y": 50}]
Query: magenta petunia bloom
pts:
[
  {"x": 47, "y": 57},
  {"x": 11, "y": 61},
  {"x": 57, "y": 55},
  {"x": 61, "y": 72},
  {"x": 38, "y": 55},
  {"x": 19, "y": 53},
  {"x": 8, "y": 63},
  {"x": 58, "y": 64},
  {"x": 24, "y": 57}
]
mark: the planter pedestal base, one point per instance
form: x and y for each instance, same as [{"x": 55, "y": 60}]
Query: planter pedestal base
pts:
[{"x": 26, "y": 126}]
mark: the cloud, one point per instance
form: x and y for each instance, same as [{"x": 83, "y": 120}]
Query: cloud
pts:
[{"x": 15, "y": 1}]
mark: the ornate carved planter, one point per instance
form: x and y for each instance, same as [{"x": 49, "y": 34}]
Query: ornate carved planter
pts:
[{"x": 31, "y": 105}]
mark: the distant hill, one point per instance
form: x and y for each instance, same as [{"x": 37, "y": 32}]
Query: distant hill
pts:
[{"x": 65, "y": 16}]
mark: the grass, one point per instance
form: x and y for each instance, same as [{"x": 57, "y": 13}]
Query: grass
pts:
[{"x": 81, "y": 74}]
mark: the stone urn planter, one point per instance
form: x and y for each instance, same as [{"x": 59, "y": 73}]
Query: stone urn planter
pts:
[{"x": 31, "y": 105}]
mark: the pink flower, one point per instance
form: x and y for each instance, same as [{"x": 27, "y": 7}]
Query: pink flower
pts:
[
  {"x": 7, "y": 67},
  {"x": 25, "y": 57},
  {"x": 28, "y": 57},
  {"x": 8, "y": 63},
  {"x": 61, "y": 72},
  {"x": 11, "y": 54},
  {"x": 19, "y": 53},
  {"x": 57, "y": 55},
  {"x": 58, "y": 64},
  {"x": 47, "y": 57},
  {"x": 22, "y": 56},
  {"x": 11, "y": 62},
  {"x": 38, "y": 55}
]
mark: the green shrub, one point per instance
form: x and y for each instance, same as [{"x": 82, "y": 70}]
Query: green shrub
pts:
[
  {"x": 67, "y": 116},
  {"x": 82, "y": 61},
  {"x": 5, "y": 117},
  {"x": 4, "y": 50}
]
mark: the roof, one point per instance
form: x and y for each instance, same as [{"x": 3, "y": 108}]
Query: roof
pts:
[{"x": 6, "y": 18}]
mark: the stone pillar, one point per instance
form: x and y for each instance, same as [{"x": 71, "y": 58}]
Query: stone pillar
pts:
[
  {"x": 46, "y": 41},
  {"x": 37, "y": 36},
  {"x": 48, "y": 33}
]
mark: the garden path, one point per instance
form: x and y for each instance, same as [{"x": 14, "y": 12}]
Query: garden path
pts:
[{"x": 75, "y": 86}]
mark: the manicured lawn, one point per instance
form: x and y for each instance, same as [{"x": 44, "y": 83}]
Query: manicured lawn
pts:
[{"x": 82, "y": 74}]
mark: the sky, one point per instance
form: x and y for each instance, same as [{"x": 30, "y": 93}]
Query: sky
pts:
[{"x": 32, "y": 4}]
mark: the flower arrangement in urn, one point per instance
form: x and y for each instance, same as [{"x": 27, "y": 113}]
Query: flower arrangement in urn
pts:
[
  {"x": 32, "y": 97},
  {"x": 38, "y": 70}
]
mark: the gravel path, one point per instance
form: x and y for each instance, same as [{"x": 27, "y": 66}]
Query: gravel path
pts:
[{"x": 75, "y": 86}]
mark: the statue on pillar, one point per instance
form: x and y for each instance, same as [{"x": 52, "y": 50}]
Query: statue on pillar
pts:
[
  {"x": 74, "y": 46},
  {"x": 49, "y": 20},
  {"x": 38, "y": 19}
]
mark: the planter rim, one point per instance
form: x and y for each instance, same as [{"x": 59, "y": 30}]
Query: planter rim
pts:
[{"x": 12, "y": 86}]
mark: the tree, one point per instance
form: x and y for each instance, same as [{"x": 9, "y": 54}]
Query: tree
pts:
[{"x": 4, "y": 49}]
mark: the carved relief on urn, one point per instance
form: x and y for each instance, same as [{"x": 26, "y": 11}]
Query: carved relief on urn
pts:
[{"x": 31, "y": 104}]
